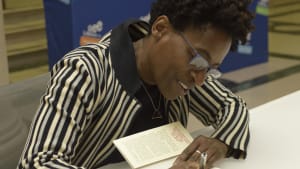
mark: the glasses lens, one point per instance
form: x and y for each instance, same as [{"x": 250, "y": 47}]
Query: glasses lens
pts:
[{"x": 199, "y": 62}]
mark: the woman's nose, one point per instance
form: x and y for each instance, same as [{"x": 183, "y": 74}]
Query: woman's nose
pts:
[{"x": 198, "y": 76}]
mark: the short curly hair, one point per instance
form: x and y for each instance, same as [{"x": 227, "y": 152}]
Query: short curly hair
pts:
[{"x": 232, "y": 16}]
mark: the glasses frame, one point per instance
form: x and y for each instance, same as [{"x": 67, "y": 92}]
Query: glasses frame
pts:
[{"x": 199, "y": 62}]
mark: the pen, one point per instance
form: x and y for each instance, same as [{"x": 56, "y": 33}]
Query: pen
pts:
[{"x": 203, "y": 160}]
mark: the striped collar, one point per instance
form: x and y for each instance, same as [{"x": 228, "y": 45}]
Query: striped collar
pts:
[{"x": 123, "y": 55}]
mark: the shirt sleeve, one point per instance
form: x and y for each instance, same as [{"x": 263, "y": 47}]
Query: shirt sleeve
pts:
[
  {"x": 61, "y": 118},
  {"x": 213, "y": 104}
]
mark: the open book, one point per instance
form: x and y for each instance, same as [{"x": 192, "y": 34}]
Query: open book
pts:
[{"x": 154, "y": 148}]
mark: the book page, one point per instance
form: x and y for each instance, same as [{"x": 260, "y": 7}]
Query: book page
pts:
[{"x": 154, "y": 145}]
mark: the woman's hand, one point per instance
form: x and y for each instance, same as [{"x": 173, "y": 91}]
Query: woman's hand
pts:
[
  {"x": 214, "y": 148},
  {"x": 192, "y": 162}
]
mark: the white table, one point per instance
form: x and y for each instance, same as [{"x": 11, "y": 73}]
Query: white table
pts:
[{"x": 275, "y": 138}]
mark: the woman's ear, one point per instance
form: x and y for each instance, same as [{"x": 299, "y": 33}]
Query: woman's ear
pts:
[{"x": 160, "y": 26}]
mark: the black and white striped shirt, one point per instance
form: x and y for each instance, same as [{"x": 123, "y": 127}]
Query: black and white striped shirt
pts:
[{"x": 90, "y": 101}]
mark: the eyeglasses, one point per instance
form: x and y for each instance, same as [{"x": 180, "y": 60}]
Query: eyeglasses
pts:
[{"x": 199, "y": 62}]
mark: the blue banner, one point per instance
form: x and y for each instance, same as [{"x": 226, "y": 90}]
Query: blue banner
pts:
[{"x": 71, "y": 23}]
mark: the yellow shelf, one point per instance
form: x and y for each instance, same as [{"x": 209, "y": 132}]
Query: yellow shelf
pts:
[
  {"x": 20, "y": 10},
  {"x": 23, "y": 27},
  {"x": 15, "y": 4},
  {"x": 28, "y": 47}
]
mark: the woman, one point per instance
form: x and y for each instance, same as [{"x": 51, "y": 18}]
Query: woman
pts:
[{"x": 141, "y": 76}]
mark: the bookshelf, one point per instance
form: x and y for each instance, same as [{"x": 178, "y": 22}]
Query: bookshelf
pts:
[
  {"x": 24, "y": 33},
  {"x": 4, "y": 78}
]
